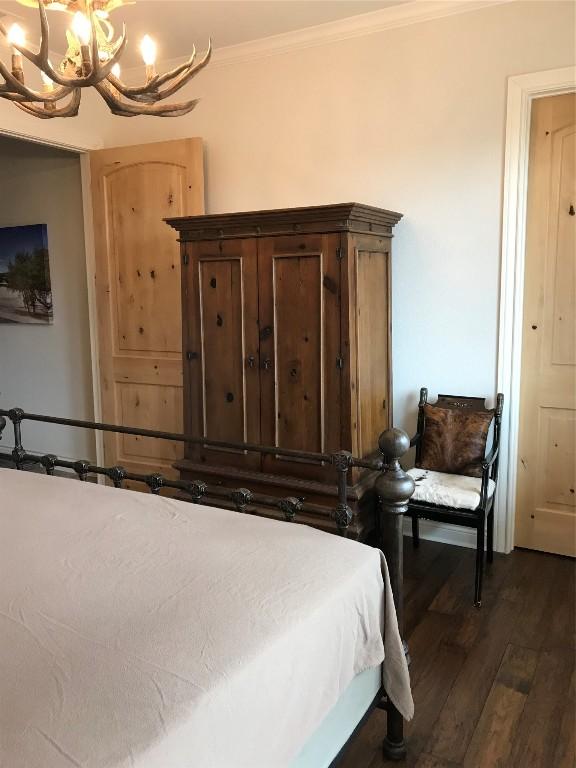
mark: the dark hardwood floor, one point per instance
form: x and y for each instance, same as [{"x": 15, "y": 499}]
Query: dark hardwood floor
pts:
[{"x": 493, "y": 687}]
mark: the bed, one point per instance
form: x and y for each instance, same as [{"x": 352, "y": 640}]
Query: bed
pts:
[{"x": 138, "y": 630}]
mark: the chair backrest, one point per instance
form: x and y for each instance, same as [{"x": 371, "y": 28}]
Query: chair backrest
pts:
[{"x": 461, "y": 403}]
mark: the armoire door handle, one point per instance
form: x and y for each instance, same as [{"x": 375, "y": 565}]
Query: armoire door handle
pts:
[
  {"x": 251, "y": 361},
  {"x": 267, "y": 364}
]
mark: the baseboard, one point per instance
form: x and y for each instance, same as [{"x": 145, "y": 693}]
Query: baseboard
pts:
[{"x": 445, "y": 533}]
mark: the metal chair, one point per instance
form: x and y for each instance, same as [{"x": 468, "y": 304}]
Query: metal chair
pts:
[{"x": 465, "y": 494}]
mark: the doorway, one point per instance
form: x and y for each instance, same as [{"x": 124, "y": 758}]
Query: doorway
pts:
[{"x": 45, "y": 360}]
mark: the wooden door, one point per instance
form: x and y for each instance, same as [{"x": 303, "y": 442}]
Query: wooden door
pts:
[
  {"x": 221, "y": 349},
  {"x": 138, "y": 292},
  {"x": 300, "y": 347},
  {"x": 546, "y": 493}
]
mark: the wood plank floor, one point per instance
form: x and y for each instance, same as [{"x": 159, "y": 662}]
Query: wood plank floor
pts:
[{"x": 492, "y": 687}]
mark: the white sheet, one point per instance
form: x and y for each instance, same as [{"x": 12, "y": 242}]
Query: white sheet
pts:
[{"x": 145, "y": 632}]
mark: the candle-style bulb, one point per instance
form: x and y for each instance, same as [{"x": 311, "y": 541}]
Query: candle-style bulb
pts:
[
  {"x": 148, "y": 50},
  {"x": 16, "y": 35},
  {"x": 47, "y": 81},
  {"x": 116, "y": 70},
  {"x": 82, "y": 28}
]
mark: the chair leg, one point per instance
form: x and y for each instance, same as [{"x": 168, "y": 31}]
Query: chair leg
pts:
[
  {"x": 479, "y": 564},
  {"x": 490, "y": 537},
  {"x": 415, "y": 531}
]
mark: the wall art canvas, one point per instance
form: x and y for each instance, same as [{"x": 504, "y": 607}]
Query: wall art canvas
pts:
[{"x": 25, "y": 289}]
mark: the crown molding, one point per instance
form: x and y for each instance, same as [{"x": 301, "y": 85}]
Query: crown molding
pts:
[
  {"x": 361, "y": 25},
  {"x": 413, "y": 12}
]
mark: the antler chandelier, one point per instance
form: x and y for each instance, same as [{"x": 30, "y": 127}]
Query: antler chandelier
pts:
[{"x": 91, "y": 60}]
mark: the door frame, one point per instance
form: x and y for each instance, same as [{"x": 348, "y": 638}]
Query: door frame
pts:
[
  {"x": 522, "y": 90},
  {"x": 82, "y": 149},
  {"x": 90, "y": 253}
]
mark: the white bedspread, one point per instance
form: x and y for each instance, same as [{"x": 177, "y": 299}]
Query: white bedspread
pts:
[{"x": 145, "y": 632}]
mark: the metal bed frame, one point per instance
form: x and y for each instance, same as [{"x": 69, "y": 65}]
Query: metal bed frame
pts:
[{"x": 393, "y": 488}]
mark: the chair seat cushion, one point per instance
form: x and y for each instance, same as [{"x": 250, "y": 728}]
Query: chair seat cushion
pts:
[{"x": 445, "y": 490}]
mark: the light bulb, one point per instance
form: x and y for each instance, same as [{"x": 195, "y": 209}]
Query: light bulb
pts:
[
  {"x": 48, "y": 82},
  {"x": 148, "y": 50},
  {"x": 16, "y": 35},
  {"x": 82, "y": 28},
  {"x": 116, "y": 70}
]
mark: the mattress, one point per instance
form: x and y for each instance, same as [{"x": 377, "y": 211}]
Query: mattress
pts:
[
  {"x": 143, "y": 632},
  {"x": 340, "y": 723}
]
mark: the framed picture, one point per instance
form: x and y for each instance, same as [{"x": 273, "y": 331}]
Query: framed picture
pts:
[{"x": 25, "y": 288}]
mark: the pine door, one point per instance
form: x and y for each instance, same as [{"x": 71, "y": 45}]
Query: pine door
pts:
[
  {"x": 546, "y": 498},
  {"x": 300, "y": 347},
  {"x": 138, "y": 292}
]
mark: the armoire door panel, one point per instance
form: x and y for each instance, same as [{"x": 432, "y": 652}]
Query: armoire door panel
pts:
[
  {"x": 372, "y": 346},
  {"x": 366, "y": 329},
  {"x": 298, "y": 351},
  {"x": 222, "y": 348},
  {"x": 137, "y": 278},
  {"x": 300, "y": 346}
]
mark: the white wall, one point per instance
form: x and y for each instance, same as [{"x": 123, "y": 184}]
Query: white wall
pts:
[
  {"x": 411, "y": 119},
  {"x": 46, "y": 368}
]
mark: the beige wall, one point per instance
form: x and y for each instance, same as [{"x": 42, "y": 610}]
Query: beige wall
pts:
[
  {"x": 80, "y": 132},
  {"x": 46, "y": 368},
  {"x": 411, "y": 119}
]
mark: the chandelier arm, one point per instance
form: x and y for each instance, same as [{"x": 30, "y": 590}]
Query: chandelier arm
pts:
[
  {"x": 186, "y": 76},
  {"x": 41, "y": 59},
  {"x": 167, "y": 76},
  {"x": 125, "y": 109},
  {"x": 68, "y": 110},
  {"x": 146, "y": 92},
  {"x": 11, "y": 95},
  {"x": 149, "y": 93},
  {"x": 16, "y": 86}
]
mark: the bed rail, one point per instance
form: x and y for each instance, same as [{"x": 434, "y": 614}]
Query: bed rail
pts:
[{"x": 393, "y": 489}]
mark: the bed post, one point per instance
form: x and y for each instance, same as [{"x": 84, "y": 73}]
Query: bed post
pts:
[
  {"x": 393, "y": 489},
  {"x": 16, "y": 415}
]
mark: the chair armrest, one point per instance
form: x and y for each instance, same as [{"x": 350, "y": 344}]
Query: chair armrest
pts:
[
  {"x": 415, "y": 440},
  {"x": 486, "y": 466},
  {"x": 489, "y": 460}
]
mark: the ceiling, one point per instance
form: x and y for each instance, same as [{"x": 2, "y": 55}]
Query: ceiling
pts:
[{"x": 177, "y": 24}]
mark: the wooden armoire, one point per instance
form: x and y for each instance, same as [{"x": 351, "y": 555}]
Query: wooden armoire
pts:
[{"x": 287, "y": 343}]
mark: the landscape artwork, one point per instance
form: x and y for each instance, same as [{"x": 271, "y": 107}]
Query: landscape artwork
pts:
[{"x": 25, "y": 289}]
